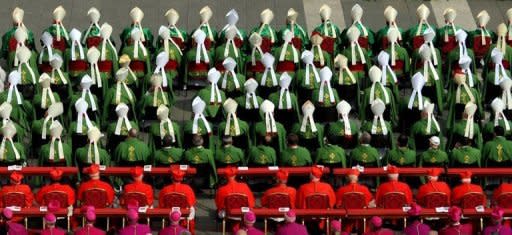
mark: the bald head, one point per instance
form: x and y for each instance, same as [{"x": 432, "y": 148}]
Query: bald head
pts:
[
  {"x": 366, "y": 138},
  {"x": 197, "y": 140},
  {"x": 167, "y": 141},
  {"x": 132, "y": 133}
]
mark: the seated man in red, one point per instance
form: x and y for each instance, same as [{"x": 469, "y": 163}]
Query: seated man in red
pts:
[
  {"x": 353, "y": 187},
  {"x": 94, "y": 182},
  {"x": 56, "y": 186},
  {"x": 504, "y": 188},
  {"x": 393, "y": 186},
  {"x": 432, "y": 186},
  {"x": 315, "y": 187},
  {"x": 178, "y": 187},
  {"x": 455, "y": 227},
  {"x": 281, "y": 188},
  {"x": 232, "y": 187},
  {"x": 18, "y": 188},
  {"x": 138, "y": 186},
  {"x": 465, "y": 188}
]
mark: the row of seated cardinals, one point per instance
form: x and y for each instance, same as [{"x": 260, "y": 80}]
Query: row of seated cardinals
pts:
[{"x": 315, "y": 194}]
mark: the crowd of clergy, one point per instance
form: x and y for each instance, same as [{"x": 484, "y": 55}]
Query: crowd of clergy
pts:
[{"x": 338, "y": 98}]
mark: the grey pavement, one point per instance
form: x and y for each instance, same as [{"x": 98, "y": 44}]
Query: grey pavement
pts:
[{"x": 38, "y": 17}]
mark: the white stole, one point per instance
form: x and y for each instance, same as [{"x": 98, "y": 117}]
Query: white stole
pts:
[
  {"x": 60, "y": 149},
  {"x": 231, "y": 117}
]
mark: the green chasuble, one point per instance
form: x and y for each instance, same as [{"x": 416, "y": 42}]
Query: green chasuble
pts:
[
  {"x": 337, "y": 129},
  {"x": 491, "y": 90},
  {"x": 85, "y": 129},
  {"x": 227, "y": 83},
  {"x": 236, "y": 54},
  {"x": 244, "y": 132},
  {"x": 465, "y": 156},
  {"x": 267, "y": 33},
  {"x": 201, "y": 130},
  {"x": 391, "y": 105},
  {"x": 457, "y": 132},
  {"x": 148, "y": 102},
  {"x": 298, "y": 156},
  {"x": 179, "y": 36},
  {"x": 414, "y": 35},
  {"x": 274, "y": 97},
  {"x": 78, "y": 95},
  {"x": 359, "y": 74},
  {"x": 11, "y": 57},
  {"x": 62, "y": 32},
  {"x": 475, "y": 40},
  {"x": 173, "y": 66},
  {"x": 331, "y": 154},
  {"x": 326, "y": 100},
  {"x": 140, "y": 71},
  {"x": 364, "y": 155},
  {"x": 126, "y": 37},
  {"x": 111, "y": 128},
  {"x": 22, "y": 113},
  {"x": 9, "y": 157},
  {"x": 156, "y": 135},
  {"x": 452, "y": 62},
  {"x": 28, "y": 77},
  {"x": 82, "y": 158},
  {"x": 507, "y": 59},
  {"x": 303, "y": 78},
  {"x": 260, "y": 131},
  {"x": 211, "y": 35},
  {"x": 44, "y": 154},
  {"x": 419, "y": 136},
  {"x": 464, "y": 99},
  {"x": 432, "y": 85},
  {"x": 38, "y": 100},
  {"x": 367, "y": 126},
  {"x": 241, "y": 100},
  {"x": 382, "y": 38},
  {"x": 367, "y": 36},
  {"x": 200, "y": 155},
  {"x": 328, "y": 59},
  {"x": 110, "y": 101},
  {"x": 9, "y": 36},
  {"x": 167, "y": 156},
  {"x": 445, "y": 32},
  {"x": 197, "y": 71},
  {"x": 401, "y": 156},
  {"x": 212, "y": 108},
  {"x": 79, "y": 72},
  {"x": 90, "y": 33},
  {"x": 37, "y": 128},
  {"x": 488, "y": 128},
  {"x": 240, "y": 37},
  {"x": 402, "y": 56},
  {"x": 308, "y": 138},
  {"x": 20, "y": 131},
  {"x": 262, "y": 155},
  {"x": 331, "y": 30},
  {"x": 226, "y": 155},
  {"x": 132, "y": 150},
  {"x": 433, "y": 157},
  {"x": 497, "y": 151},
  {"x": 110, "y": 56},
  {"x": 288, "y": 59},
  {"x": 298, "y": 34}
]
